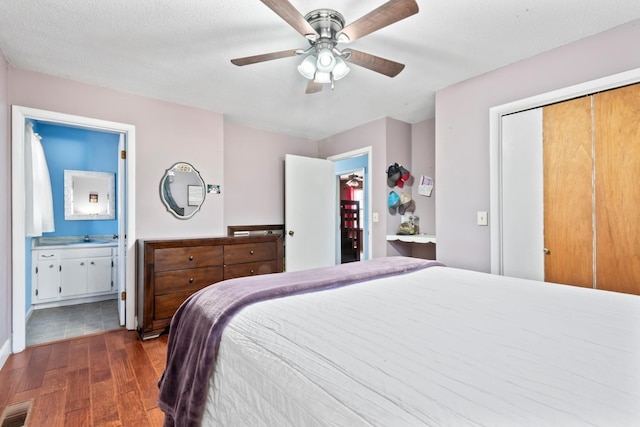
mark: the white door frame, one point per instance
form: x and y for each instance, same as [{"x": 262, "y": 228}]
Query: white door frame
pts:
[
  {"x": 367, "y": 186},
  {"x": 19, "y": 116},
  {"x": 495, "y": 144}
]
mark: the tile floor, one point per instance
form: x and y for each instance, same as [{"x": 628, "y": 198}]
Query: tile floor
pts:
[{"x": 53, "y": 324}]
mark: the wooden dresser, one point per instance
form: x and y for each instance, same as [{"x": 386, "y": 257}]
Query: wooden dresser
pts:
[{"x": 171, "y": 270}]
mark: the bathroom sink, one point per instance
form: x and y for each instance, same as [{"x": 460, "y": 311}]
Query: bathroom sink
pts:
[
  {"x": 66, "y": 241},
  {"x": 88, "y": 242}
]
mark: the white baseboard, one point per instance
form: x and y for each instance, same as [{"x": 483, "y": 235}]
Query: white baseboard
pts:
[{"x": 5, "y": 352}]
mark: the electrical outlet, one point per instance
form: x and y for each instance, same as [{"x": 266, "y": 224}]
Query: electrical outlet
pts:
[{"x": 482, "y": 218}]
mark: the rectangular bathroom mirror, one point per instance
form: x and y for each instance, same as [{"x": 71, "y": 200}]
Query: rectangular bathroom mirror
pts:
[{"x": 89, "y": 195}]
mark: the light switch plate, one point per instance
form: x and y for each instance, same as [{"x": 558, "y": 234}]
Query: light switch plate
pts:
[
  {"x": 482, "y": 218},
  {"x": 375, "y": 217}
]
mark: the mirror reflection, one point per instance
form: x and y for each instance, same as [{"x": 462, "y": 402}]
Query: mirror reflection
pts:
[
  {"x": 89, "y": 195},
  {"x": 182, "y": 190}
]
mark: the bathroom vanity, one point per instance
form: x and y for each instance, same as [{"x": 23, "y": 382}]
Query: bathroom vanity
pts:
[{"x": 73, "y": 268}]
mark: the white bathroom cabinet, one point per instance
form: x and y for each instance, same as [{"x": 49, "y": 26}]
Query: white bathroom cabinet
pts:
[{"x": 68, "y": 273}]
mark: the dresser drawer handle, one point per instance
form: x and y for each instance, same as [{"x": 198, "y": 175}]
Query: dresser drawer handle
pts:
[
  {"x": 251, "y": 252},
  {"x": 251, "y": 272},
  {"x": 191, "y": 280},
  {"x": 191, "y": 258}
]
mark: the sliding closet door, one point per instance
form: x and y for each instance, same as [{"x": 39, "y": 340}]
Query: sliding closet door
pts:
[
  {"x": 617, "y": 160},
  {"x": 568, "y": 192}
]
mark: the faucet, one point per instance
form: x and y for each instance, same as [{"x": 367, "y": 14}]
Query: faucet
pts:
[{"x": 86, "y": 238}]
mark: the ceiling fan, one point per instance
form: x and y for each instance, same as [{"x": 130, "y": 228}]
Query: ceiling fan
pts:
[
  {"x": 354, "y": 180},
  {"x": 325, "y": 29}
]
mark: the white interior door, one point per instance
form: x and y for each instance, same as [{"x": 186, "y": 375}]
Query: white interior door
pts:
[
  {"x": 310, "y": 212},
  {"x": 522, "y": 195},
  {"x": 122, "y": 232}
]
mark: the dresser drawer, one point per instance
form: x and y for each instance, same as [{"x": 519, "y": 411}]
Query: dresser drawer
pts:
[
  {"x": 169, "y": 282},
  {"x": 249, "y": 252},
  {"x": 232, "y": 271},
  {"x": 165, "y": 306},
  {"x": 187, "y": 257}
]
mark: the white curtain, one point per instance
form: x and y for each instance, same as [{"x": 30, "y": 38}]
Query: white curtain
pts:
[{"x": 38, "y": 197}]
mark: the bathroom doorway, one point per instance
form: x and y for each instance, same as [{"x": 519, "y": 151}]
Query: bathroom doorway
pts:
[{"x": 125, "y": 265}]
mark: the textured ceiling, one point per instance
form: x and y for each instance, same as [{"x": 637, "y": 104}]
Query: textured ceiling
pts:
[{"x": 180, "y": 51}]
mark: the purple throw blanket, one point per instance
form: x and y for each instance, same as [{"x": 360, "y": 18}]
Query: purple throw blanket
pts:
[{"x": 196, "y": 328}]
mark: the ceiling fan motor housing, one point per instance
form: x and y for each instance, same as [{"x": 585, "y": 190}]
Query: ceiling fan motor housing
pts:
[{"x": 327, "y": 23}]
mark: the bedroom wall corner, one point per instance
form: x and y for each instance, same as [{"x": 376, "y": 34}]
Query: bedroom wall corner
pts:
[
  {"x": 254, "y": 173},
  {"x": 398, "y": 148},
  {"x": 5, "y": 213},
  {"x": 423, "y": 162},
  {"x": 462, "y": 131}
]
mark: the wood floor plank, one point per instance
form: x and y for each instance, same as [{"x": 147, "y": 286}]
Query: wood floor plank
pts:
[
  {"x": 131, "y": 410},
  {"x": 99, "y": 360},
  {"x": 125, "y": 380},
  {"x": 55, "y": 380},
  {"x": 78, "y": 390},
  {"x": 48, "y": 410},
  {"x": 78, "y": 418},
  {"x": 59, "y": 355},
  {"x": 36, "y": 368},
  {"x": 9, "y": 381},
  {"x": 145, "y": 373},
  {"x": 79, "y": 355},
  {"x": 104, "y": 406}
]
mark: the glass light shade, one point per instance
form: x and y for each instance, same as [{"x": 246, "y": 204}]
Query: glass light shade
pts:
[
  {"x": 322, "y": 77},
  {"x": 326, "y": 60},
  {"x": 341, "y": 69},
  {"x": 308, "y": 67}
]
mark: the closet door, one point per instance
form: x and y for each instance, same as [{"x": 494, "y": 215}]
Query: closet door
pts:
[
  {"x": 617, "y": 162},
  {"x": 568, "y": 192}
]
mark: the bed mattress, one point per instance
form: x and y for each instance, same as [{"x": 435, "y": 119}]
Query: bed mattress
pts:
[{"x": 436, "y": 347}]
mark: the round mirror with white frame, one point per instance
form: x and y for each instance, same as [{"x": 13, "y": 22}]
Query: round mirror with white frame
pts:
[{"x": 182, "y": 190}]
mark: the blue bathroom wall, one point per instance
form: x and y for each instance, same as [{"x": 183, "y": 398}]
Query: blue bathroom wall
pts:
[{"x": 78, "y": 149}]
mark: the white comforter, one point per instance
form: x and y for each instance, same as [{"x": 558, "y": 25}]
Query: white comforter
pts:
[{"x": 438, "y": 347}]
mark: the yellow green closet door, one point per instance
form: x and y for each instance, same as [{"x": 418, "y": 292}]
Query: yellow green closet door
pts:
[
  {"x": 617, "y": 165},
  {"x": 568, "y": 190}
]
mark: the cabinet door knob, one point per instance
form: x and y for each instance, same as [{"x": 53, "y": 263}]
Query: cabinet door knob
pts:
[
  {"x": 93, "y": 263},
  {"x": 191, "y": 258},
  {"x": 82, "y": 263},
  {"x": 251, "y": 272}
]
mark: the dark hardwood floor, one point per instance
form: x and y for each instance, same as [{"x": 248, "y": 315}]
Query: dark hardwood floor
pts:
[{"x": 107, "y": 379}]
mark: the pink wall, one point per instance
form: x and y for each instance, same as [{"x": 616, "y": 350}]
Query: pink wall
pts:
[
  {"x": 423, "y": 162},
  {"x": 5, "y": 206},
  {"x": 462, "y": 131},
  {"x": 254, "y": 173},
  {"x": 166, "y": 133}
]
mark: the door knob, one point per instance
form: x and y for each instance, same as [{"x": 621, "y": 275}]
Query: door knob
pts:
[
  {"x": 546, "y": 251},
  {"x": 291, "y": 233}
]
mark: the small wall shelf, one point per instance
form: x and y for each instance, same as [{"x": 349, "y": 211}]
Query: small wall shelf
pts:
[{"x": 416, "y": 238}]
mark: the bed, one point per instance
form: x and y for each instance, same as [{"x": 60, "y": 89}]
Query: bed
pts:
[{"x": 402, "y": 342}]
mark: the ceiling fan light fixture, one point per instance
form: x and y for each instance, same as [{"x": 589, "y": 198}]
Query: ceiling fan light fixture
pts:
[
  {"x": 322, "y": 77},
  {"x": 341, "y": 69},
  {"x": 326, "y": 61},
  {"x": 308, "y": 67}
]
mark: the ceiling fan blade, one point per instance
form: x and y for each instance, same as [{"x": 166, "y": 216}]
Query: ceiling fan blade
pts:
[
  {"x": 264, "y": 57},
  {"x": 290, "y": 14},
  {"x": 387, "y": 14},
  {"x": 313, "y": 87},
  {"x": 375, "y": 63}
]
